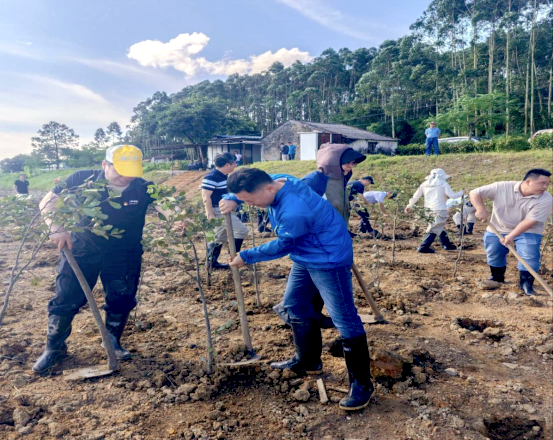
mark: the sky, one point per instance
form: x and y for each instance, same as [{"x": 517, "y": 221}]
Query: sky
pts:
[{"x": 89, "y": 63}]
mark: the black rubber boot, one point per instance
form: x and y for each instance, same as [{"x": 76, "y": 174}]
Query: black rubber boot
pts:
[
  {"x": 361, "y": 388},
  {"x": 470, "y": 227},
  {"x": 527, "y": 283},
  {"x": 498, "y": 274},
  {"x": 59, "y": 329},
  {"x": 446, "y": 244},
  {"x": 115, "y": 323},
  {"x": 309, "y": 346},
  {"x": 238, "y": 244},
  {"x": 459, "y": 230},
  {"x": 424, "y": 247},
  {"x": 213, "y": 252}
]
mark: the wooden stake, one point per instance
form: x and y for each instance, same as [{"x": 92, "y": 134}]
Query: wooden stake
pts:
[{"x": 322, "y": 391}]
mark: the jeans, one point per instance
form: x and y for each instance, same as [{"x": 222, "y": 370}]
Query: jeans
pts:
[
  {"x": 527, "y": 245},
  {"x": 429, "y": 143},
  {"x": 292, "y": 156},
  {"x": 119, "y": 270},
  {"x": 336, "y": 289}
]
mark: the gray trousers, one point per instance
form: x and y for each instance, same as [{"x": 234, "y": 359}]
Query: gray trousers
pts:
[
  {"x": 238, "y": 228},
  {"x": 438, "y": 225}
]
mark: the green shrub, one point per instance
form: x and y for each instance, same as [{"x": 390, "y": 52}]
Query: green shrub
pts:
[
  {"x": 542, "y": 141},
  {"x": 458, "y": 147},
  {"x": 515, "y": 143},
  {"x": 410, "y": 150}
]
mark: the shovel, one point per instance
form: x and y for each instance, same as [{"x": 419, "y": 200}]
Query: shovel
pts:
[
  {"x": 377, "y": 317},
  {"x": 254, "y": 358},
  {"x": 524, "y": 263},
  {"x": 97, "y": 370}
]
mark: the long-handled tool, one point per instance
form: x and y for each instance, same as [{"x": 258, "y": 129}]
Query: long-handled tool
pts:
[
  {"x": 524, "y": 263},
  {"x": 253, "y": 356},
  {"x": 97, "y": 370},
  {"x": 377, "y": 316}
]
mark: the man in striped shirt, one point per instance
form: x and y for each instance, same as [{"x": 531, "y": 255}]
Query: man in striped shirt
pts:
[{"x": 214, "y": 186}]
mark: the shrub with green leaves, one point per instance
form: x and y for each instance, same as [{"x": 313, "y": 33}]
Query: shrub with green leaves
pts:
[
  {"x": 514, "y": 143},
  {"x": 542, "y": 141}
]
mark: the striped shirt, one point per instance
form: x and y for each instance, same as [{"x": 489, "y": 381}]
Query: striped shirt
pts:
[{"x": 217, "y": 182}]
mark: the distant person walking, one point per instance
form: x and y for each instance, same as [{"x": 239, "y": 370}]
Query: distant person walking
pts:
[
  {"x": 21, "y": 185},
  {"x": 432, "y": 134},
  {"x": 238, "y": 158},
  {"x": 291, "y": 151},
  {"x": 284, "y": 151}
]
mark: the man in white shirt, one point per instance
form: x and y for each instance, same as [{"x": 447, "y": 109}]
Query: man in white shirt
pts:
[
  {"x": 372, "y": 198},
  {"x": 520, "y": 210},
  {"x": 436, "y": 191}
]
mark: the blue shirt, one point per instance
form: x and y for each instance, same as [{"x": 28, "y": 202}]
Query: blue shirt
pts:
[
  {"x": 307, "y": 227},
  {"x": 432, "y": 132},
  {"x": 291, "y": 149}
]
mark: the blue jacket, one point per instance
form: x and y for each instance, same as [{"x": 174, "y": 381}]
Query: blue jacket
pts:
[{"x": 308, "y": 228}]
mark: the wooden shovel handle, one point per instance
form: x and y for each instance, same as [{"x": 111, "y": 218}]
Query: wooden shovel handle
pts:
[
  {"x": 368, "y": 295},
  {"x": 524, "y": 263},
  {"x": 113, "y": 364},
  {"x": 238, "y": 287}
]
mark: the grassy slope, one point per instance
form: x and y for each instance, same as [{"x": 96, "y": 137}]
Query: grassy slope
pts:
[
  {"x": 45, "y": 180},
  {"x": 467, "y": 171}
]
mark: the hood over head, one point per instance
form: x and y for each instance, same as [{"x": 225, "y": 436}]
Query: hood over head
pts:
[
  {"x": 329, "y": 159},
  {"x": 437, "y": 177}
]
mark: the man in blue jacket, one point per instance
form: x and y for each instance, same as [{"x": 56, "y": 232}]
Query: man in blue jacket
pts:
[{"x": 312, "y": 232}]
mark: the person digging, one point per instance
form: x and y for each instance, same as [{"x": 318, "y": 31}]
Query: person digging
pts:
[
  {"x": 116, "y": 261},
  {"x": 214, "y": 187},
  {"x": 520, "y": 211},
  {"x": 436, "y": 191},
  {"x": 316, "y": 237}
]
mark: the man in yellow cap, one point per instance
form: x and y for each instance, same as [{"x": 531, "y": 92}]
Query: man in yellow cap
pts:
[{"x": 117, "y": 260}]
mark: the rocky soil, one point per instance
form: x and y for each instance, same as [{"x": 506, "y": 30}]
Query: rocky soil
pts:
[{"x": 454, "y": 361}]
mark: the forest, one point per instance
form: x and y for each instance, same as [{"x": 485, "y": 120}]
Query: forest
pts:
[{"x": 480, "y": 67}]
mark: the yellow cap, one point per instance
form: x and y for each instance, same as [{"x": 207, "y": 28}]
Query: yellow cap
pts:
[{"x": 126, "y": 159}]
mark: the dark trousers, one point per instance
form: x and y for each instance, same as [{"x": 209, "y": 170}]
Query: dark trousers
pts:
[
  {"x": 364, "y": 223},
  {"x": 291, "y": 156},
  {"x": 118, "y": 269},
  {"x": 263, "y": 222}
]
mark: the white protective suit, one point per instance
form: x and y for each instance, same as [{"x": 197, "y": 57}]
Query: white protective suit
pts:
[
  {"x": 468, "y": 210},
  {"x": 436, "y": 191}
]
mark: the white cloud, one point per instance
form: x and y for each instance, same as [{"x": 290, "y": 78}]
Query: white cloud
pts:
[
  {"x": 333, "y": 19},
  {"x": 182, "y": 52},
  {"x": 29, "y": 101}
]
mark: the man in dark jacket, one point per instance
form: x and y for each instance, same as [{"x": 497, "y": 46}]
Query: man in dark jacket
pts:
[
  {"x": 117, "y": 260},
  {"x": 314, "y": 235},
  {"x": 21, "y": 185}
]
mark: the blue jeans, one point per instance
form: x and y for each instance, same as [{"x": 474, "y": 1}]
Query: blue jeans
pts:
[
  {"x": 527, "y": 245},
  {"x": 429, "y": 143},
  {"x": 336, "y": 289}
]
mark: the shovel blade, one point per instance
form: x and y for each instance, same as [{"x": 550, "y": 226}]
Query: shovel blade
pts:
[
  {"x": 87, "y": 372},
  {"x": 253, "y": 360},
  {"x": 371, "y": 319}
]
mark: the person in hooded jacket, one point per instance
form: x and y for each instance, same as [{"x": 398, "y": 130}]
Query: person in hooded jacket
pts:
[
  {"x": 436, "y": 191},
  {"x": 336, "y": 163}
]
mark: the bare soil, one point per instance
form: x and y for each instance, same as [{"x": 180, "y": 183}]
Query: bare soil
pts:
[{"x": 454, "y": 361}]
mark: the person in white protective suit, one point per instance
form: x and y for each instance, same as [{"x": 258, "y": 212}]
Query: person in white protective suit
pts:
[
  {"x": 436, "y": 191},
  {"x": 468, "y": 218}
]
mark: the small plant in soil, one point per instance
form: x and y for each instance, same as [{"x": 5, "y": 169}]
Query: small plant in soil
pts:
[{"x": 172, "y": 239}]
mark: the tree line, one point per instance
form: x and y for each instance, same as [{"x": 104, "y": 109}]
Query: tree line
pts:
[
  {"x": 479, "y": 67},
  {"x": 486, "y": 64}
]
